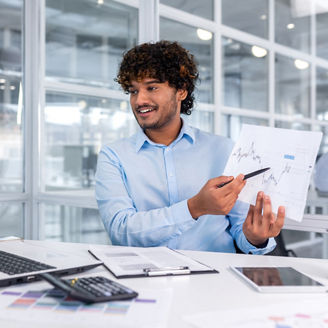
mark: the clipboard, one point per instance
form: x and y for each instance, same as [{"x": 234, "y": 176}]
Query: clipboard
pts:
[{"x": 134, "y": 262}]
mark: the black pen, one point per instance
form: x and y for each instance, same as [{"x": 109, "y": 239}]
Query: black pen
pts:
[{"x": 246, "y": 176}]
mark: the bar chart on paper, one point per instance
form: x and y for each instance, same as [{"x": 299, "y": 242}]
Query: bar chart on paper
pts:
[{"x": 290, "y": 154}]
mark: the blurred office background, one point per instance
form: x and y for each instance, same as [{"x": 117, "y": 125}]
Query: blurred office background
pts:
[{"x": 262, "y": 62}]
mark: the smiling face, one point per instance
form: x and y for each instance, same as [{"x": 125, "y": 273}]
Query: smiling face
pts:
[{"x": 155, "y": 105}]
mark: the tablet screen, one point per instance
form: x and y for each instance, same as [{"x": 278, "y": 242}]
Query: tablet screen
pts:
[{"x": 276, "y": 276}]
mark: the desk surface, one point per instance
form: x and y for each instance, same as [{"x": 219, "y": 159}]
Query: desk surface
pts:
[{"x": 213, "y": 292}]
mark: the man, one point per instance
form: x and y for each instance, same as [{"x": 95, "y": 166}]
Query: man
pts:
[{"x": 160, "y": 186}]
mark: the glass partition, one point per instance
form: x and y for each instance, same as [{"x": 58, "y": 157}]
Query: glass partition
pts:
[
  {"x": 11, "y": 220},
  {"x": 200, "y": 44},
  {"x": 251, "y": 16},
  {"x": 293, "y": 24},
  {"x": 72, "y": 224},
  {"x": 204, "y": 8},
  {"x": 85, "y": 40},
  {"x": 231, "y": 124},
  {"x": 322, "y": 92},
  {"x": 75, "y": 128},
  {"x": 292, "y": 125},
  {"x": 245, "y": 75},
  {"x": 292, "y": 92},
  {"x": 11, "y": 96},
  {"x": 201, "y": 119},
  {"x": 322, "y": 29}
]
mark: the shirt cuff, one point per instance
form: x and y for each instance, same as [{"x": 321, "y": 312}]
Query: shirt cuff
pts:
[{"x": 248, "y": 248}]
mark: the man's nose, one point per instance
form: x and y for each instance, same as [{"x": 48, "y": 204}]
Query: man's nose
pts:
[{"x": 142, "y": 98}]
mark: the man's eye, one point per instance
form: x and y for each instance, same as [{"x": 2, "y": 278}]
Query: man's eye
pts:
[
  {"x": 132, "y": 92},
  {"x": 152, "y": 88}
]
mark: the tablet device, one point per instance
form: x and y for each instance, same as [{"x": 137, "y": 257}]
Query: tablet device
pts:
[{"x": 279, "y": 279}]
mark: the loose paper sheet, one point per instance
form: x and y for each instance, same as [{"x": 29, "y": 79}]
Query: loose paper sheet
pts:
[
  {"x": 291, "y": 156},
  {"x": 30, "y": 305},
  {"x": 302, "y": 314}
]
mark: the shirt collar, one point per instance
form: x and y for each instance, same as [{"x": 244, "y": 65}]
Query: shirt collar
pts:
[{"x": 186, "y": 131}]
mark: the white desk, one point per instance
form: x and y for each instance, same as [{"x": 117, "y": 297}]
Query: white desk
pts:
[{"x": 213, "y": 292}]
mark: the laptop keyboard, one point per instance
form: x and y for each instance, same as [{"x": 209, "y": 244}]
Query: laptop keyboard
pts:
[{"x": 13, "y": 264}]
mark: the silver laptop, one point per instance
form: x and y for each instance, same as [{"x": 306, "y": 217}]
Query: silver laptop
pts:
[{"x": 22, "y": 260}]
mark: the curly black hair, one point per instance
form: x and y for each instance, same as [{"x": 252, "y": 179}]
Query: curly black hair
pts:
[{"x": 164, "y": 60}]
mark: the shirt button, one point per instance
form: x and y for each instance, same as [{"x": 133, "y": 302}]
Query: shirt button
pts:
[{"x": 170, "y": 175}]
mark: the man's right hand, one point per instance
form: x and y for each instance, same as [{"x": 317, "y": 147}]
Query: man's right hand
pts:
[{"x": 214, "y": 200}]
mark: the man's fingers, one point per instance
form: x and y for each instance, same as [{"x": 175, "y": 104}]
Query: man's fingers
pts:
[
  {"x": 249, "y": 218},
  {"x": 236, "y": 185},
  {"x": 258, "y": 208},
  {"x": 268, "y": 218},
  {"x": 240, "y": 182},
  {"x": 278, "y": 224},
  {"x": 220, "y": 180}
]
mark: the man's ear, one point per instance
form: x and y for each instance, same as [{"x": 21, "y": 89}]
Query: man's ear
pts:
[{"x": 182, "y": 94}]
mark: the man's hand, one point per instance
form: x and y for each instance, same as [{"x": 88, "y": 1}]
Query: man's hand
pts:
[
  {"x": 214, "y": 200},
  {"x": 261, "y": 223}
]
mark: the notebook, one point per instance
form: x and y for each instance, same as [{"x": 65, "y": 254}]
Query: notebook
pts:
[{"x": 22, "y": 260}]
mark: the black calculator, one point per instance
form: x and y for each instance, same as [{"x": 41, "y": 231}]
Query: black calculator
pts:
[{"x": 91, "y": 289}]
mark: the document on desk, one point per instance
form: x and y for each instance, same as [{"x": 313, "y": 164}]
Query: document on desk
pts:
[
  {"x": 35, "y": 305},
  {"x": 131, "y": 262},
  {"x": 291, "y": 156},
  {"x": 301, "y": 313}
]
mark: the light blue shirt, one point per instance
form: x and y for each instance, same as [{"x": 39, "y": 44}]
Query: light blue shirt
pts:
[{"x": 142, "y": 190}]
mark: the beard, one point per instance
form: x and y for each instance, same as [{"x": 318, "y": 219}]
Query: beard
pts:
[{"x": 165, "y": 116}]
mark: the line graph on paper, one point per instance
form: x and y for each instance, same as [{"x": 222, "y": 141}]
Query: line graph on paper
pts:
[{"x": 291, "y": 156}]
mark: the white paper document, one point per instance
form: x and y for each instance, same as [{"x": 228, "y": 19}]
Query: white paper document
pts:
[
  {"x": 310, "y": 313},
  {"x": 126, "y": 262},
  {"x": 290, "y": 154},
  {"x": 30, "y": 305}
]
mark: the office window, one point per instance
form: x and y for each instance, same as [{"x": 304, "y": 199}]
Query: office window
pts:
[
  {"x": 322, "y": 92},
  {"x": 292, "y": 24},
  {"x": 293, "y": 125},
  {"x": 231, "y": 124},
  {"x": 203, "y": 8},
  {"x": 292, "y": 86},
  {"x": 11, "y": 145},
  {"x": 76, "y": 127},
  {"x": 200, "y": 46},
  {"x": 85, "y": 40},
  {"x": 201, "y": 119},
  {"x": 11, "y": 220},
  {"x": 324, "y": 142},
  {"x": 322, "y": 29},
  {"x": 251, "y": 16},
  {"x": 72, "y": 224},
  {"x": 245, "y": 75}
]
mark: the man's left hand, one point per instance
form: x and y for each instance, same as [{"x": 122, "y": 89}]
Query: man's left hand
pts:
[{"x": 261, "y": 223}]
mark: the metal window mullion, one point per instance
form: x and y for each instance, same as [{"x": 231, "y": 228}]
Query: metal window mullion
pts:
[
  {"x": 244, "y": 112},
  {"x": 148, "y": 21},
  {"x": 217, "y": 77},
  {"x": 32, "y": 26},
  {"x": 63, "y": 87},
  {"x": 313, "y": 66},
  {"x": 281, "y": 49},
  {"x": 187, "y": 18},
  {"x": 205, "y": 107},
  {"x": 65, "y": 199},
  {"x": 14, "y": 197},
  {"x": 271, "y": 84},
  {"x": 131, "y": 3}
]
